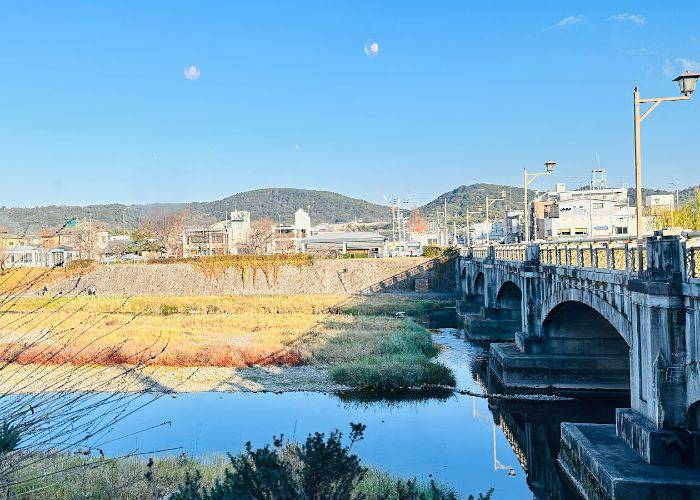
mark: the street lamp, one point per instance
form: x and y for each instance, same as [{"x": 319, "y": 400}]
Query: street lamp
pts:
[
  {"x": 490, "y": 202},
  {"x": 687, "y": 82},
  {"x": 468, "y": 213},
  {"x": 527, "y": 180}
]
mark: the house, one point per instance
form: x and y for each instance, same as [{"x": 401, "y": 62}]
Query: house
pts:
[
  {"x": 374, "y": 244},
  {"x": 61, "y": 255},
  {"x": 8, "y": 240},
  {"x": 24, "y": 256},
  {"x": 224, "y": 237}
]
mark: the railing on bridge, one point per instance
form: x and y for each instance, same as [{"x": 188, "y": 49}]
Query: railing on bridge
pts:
[
  {"x": 620, "y": 254},
  {"x": 692, "y": 255}
]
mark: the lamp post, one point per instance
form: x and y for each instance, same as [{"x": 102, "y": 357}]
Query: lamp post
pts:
[
  {"x": 468, "y": 214},
  {"x": 490, "y": 202},
  {"x": 687, "y": 82},
  {"x": 527, "y": 180}
]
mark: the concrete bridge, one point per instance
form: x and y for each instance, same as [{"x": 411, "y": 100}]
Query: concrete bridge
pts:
[{"x": 601, "y": 316}]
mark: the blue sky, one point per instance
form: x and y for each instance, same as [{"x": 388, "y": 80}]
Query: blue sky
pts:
[{"x": 96, "y": 106}]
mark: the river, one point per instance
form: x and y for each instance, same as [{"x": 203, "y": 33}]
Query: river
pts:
[{"x": 461, "y": 440}]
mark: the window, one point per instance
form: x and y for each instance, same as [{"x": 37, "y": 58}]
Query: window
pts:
[
  {"x": 598, "y": 205},
  {"x": 564, "y": 232},
  {"x": 620, "y": 230},
  {"x": 580, "y": 231}
]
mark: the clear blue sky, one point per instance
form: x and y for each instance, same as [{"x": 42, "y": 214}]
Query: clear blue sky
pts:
[{"x": 96, "y": 106}]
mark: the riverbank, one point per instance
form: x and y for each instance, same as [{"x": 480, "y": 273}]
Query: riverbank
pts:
[{"x": 225, "y": 344}]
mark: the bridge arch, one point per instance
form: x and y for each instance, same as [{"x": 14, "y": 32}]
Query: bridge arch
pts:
[
  {"x": 509, "y": 301},
  {"x": 615, "y": 318},
  {"x": 479, "y": 283},
  {"x": 693, "y": 416},
  {"x": 573, "y": 327}
]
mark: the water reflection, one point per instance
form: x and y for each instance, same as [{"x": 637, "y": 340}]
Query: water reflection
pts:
[{"x": 469, "y": 442}]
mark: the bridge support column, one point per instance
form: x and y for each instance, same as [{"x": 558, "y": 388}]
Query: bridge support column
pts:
[
  {"x": 650, "y": 452},
  {"x": 529, "y": 339}
]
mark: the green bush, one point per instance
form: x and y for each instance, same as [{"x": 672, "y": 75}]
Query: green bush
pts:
[
  {"x": 395, "y": 372},
  {"x": 168, "y": 309},
  {"x": 433, "y": 251}
]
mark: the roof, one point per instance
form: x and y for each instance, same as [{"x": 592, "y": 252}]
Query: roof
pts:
[
  {"x": 346, "y": 236},
  {"x": 10, "y": 236},
  {"x": 63, "y": 248},
  {"x": 24, "y": 249}
]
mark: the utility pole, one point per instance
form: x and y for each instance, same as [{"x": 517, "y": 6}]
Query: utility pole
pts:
[{"x": 446, "y": 227}]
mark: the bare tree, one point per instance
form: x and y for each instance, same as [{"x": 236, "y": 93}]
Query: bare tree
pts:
[
  {"x": 262, "y": 232},
  {"x": 167, "y": 228}
]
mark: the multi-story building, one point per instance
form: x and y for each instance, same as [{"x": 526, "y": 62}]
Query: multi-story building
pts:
[
  {"x": 584, "y": 213},
  {"x": 224, "y": 237},
  {"x": 289, "y": 238}
]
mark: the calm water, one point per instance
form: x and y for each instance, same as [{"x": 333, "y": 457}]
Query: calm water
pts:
[{"x": 460, "y": 440}]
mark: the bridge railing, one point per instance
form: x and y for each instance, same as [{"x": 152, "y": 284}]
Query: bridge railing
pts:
[
  {"x": 618, "y": 255},
  {"x": 627, "y": 256},
  {"x": 692, "y": 255}
]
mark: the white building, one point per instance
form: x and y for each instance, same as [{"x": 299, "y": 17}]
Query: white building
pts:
[
  {"x": 221, "y": 238},
  {"x": 288, "y": 238},
  {"x": 584, "y": 213}
]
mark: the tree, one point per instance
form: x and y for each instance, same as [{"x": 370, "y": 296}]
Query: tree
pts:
[
  {"x": 416, "y": 223},
  {"x": 166, "y": 228},
  {"x": 686, "y": 216},
  {"x": 261, "y": 234}
]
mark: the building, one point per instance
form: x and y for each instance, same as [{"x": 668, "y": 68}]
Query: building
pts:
[
  {"x": 9, "y": 240},
  {"x": 585, "y": 213},
  {"x": 656, "y": 203},
  {"x": 24, "y": 256},
  {"x": 513, "y": 226},
  {"x": 289, "y": 238},
  {"x": 224, "y": 237},
  {"x": 369, "y": 243},
  {"x": 61, "y": 255}
]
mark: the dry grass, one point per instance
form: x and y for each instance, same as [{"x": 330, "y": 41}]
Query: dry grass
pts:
[
  {"x": 25, "y": 278},
  {"x": 234, "y": 331}
]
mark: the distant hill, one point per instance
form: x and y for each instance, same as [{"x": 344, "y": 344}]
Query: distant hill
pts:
[
  {"x": 473, "y": 198},
  {"x": 275, "y": 203}
]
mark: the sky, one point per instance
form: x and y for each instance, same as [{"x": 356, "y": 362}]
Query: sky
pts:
[{"x": 369, "y": 99}]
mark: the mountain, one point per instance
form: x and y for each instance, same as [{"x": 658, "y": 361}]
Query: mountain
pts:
[
  {"x": 473, "y": 198},
  {"x": 278, "y": 204}
]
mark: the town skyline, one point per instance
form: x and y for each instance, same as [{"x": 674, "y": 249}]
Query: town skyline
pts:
[{"x": 310, "y": 96}]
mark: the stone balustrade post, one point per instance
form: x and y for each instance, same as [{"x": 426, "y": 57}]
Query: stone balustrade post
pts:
[{"x": 657, "y": 356}]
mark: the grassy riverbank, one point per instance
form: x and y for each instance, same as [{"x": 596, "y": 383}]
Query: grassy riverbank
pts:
[
  {"x": 228, "y": 343},
  {"x": 133, "y": 479}
]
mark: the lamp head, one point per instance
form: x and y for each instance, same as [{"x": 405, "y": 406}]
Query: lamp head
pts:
[
  {"x": 550, "y": 166},
  {"x": 687, "y": 82}
]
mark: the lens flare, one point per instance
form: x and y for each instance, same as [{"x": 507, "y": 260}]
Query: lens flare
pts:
[
  {"x": 371, "y": 48},
  {"x": 191, "y": 72}
]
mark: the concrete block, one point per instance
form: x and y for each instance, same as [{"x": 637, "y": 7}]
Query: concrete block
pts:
[
  {"x": 654, "y": 446},
  {"x": 601, "y": 465}
]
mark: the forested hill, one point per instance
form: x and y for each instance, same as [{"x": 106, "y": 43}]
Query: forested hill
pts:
[
  {"x": 275, "y": 203},
  {"x": 473, "y": 198}
]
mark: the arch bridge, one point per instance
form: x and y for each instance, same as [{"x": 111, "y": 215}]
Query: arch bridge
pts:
[{"x": 592, "y": 315}]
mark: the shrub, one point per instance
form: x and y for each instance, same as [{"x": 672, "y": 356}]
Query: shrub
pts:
[
  {"x": 168, "y": 309},
  {"x": 319, "y": 468}
]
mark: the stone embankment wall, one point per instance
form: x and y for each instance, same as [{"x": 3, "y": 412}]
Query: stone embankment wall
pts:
[{"x": 321, "y": 276}]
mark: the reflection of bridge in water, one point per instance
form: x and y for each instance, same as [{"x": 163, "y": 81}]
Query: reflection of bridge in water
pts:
[{"x": 612, "y": 317}]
